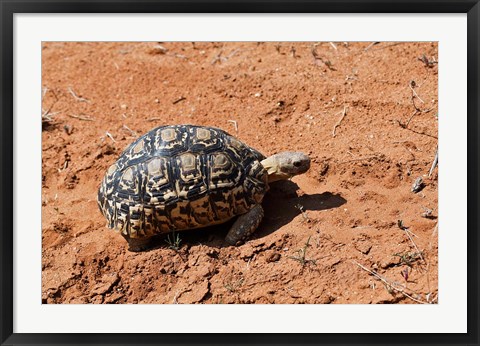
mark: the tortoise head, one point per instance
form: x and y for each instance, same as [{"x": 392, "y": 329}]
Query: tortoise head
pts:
[{"x": 285, "y": 165}]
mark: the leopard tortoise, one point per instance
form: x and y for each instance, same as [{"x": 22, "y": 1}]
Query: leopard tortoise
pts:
[{"x": 184, "y": 177}]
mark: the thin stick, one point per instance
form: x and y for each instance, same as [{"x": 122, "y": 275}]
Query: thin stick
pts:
[
  {"x": 85, "y": 118},
  {"x": 110, "y": 136},
  {"x": 217, "y": 58},
  {"x": 410, "y": 232},
  {"x": 233, "y": 53},
  {"x": 235, "y": 124},
  {"x": 180, "y": 56},
  {"x": 179, "y": 100},
  {"x": 339, "y": 121},
  {"x": 46, "y": 115},
  {"x": 78, "y": 98},
  {"x": 363, "y": 227},
  {"x": 389, "y": 284},
  {"x": 319, "y": 58},
  {"x": 133, "y": 133},
  {"x": 415, "y": 245},
  {"x": 48, "y": 148},
  {"x": 333, "y": 45},
  {"x": 370, "y": 46},
  {"x": 47, "y": 118},
  {"x": 414, "y": 113},
  {"x": 415, "y": 93},
  {"x": 175, "y": 298},
  {"x": 435, "y": 230},
  {"x": 418, "y": 109},
  {"x": 434, "y": 164},
  {"x": 422, "y": 133},
  {"x": 154, "y": 119},
  {"x": 294, "y": 52}
]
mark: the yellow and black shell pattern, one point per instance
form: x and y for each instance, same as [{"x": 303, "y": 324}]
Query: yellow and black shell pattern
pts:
[{"x": 181, "y": 177}]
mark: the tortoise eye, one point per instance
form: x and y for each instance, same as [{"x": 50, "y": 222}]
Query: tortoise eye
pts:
[{"x": 297, "y": 163}]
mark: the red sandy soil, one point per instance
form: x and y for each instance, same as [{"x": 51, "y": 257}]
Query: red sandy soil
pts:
[{"x": 365, "y": 113}]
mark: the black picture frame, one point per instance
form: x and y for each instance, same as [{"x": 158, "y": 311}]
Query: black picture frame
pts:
[{"x": 9, "y": 7}]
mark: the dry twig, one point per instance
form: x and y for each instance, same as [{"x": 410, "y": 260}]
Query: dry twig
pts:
[
  {"x": 412, "y": 85},
  {"x": 317, "y": 58},
  {"x": 370, "y": 46},
  {"x": 47, "y": 116},
  {"x": 80, "y": 117},
  {"x": 182, "y": 98},
  {"x": 393, "y": 286},
  {"x": 294, "y": 52},
  {"x": 109, "y": 135},
  {"x": 407, "y": 232},
  {"x": 76, "y": 97},
  {"x": 344, "y": 112},
  {"x": 428, "y": 62},
  {"x": 133, "y": 133},
  {"x": 434, "y": 164},
  {"x": 235, "y": 124},
  {"x": 220, "y": 58}
]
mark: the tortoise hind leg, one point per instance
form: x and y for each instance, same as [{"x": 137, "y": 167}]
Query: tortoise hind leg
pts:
[
  {"x": 138, "y": 244},
  {"x": 245, "y": 225}
]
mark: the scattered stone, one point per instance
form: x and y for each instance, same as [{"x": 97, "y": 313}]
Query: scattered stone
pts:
[
  {"x": 159, "y": 49},
  {"x": 247, "y": 252},
  {"x": 213, "y": 253},
  {"x": 68, "y": 129},
  {"x": 97, "y": 300},
  {"x": 195, "y": 295},
  {"x": 113, "y": 298},
  {"x": 274, "y": 257},
  {"x": 108, "y": 281},
  {"x": 363, "y": 247},
  {"x": 71, "y": 180},
  {"x": 418, "y": 185}
]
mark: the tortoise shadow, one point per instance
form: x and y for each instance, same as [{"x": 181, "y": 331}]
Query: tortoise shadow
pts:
[{"x": 281, "y": 205}]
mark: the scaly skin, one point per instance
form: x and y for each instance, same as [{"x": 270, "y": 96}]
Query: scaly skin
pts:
[{"x": 245, "y": 225}]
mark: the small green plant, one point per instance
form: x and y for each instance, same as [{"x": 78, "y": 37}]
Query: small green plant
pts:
[
  {"x": 233, "y": 286},
  {"x": 173, "y": 240},
  {"x": 408, "y": 258},
  {"x": 301, "y": 255}
]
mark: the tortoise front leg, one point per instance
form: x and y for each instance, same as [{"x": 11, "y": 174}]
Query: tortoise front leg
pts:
[{"x": 245, "y": 225}]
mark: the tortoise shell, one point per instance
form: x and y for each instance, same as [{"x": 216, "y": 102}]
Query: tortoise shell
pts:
[{"x": 181, "y": 177}]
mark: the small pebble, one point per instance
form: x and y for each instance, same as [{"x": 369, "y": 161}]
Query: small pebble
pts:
[{"x": 418, "y": 185}]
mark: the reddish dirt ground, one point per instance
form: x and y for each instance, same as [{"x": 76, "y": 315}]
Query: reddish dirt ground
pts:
[{"x": 348, "y": 231}]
